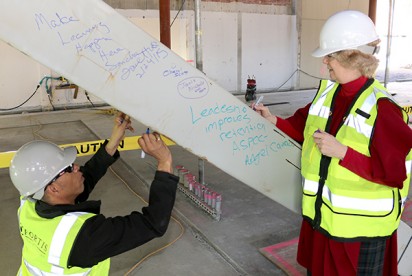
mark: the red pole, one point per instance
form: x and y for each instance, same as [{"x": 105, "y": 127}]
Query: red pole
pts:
[{"x": 164, "y": 14}]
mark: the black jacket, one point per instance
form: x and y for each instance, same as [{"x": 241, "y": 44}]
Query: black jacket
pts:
[{"x": 100, "y": 237}]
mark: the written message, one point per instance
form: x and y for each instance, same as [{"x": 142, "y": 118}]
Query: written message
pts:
[
  {"x": 96, "y": 42},
  {"x": 232, "y": 125}
]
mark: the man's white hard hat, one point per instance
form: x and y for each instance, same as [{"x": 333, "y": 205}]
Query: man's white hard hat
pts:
[{"x": 36, "y": 164}]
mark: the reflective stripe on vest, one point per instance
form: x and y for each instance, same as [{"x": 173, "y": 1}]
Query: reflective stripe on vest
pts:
[
  {"x": 320, "y": 109},
  {"x": 53, "y": 240},
  {"x": 339, "y": 201},
  {"x": 56, "y": 246},
  {"x": 359, "y": 122},
  {"x": 35, "y": 271}
]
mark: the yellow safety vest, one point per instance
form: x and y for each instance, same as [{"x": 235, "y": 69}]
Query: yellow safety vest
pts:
[
  {"x": 337, "y": 201},
  {"x": 48, "y": 242}
]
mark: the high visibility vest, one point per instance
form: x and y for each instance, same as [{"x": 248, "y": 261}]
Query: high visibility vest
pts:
[
  {"x": 336, "y": 201},
  {"x": 48, "y": 242}
]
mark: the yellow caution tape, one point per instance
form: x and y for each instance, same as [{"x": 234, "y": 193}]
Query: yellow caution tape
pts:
[
  {"x": 5, "y": 158},
  {"x": 408, "y": 109},
  {"x": 87, "y": 148}
]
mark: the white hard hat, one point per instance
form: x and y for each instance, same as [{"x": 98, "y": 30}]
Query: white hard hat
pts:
[
  {"x": 346, "y": 30},
  {"x": 36, "y": 163}
]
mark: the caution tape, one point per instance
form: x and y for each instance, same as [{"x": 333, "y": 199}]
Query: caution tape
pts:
[
  {"x": 87, "y": 148},
  {"x": 408, "y": 109}
]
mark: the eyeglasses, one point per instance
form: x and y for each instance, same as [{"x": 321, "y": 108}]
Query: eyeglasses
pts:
[
  {"x": 331, "y": 55},
  {"x": 68, "y": 169}
]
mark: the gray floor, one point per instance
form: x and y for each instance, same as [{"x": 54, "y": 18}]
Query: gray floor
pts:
[{"x": 195, "y": 243}]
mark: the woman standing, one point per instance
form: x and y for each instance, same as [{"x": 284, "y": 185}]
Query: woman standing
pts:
[{"x": 356, "y": 157}]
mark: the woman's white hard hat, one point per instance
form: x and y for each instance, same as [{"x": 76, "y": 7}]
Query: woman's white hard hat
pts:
[{"x": 346, "y": 30}]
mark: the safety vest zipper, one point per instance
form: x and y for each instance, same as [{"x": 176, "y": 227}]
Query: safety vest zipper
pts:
[{"x": 323, "y": 173}]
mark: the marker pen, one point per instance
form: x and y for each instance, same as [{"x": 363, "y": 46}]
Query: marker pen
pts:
[
  {"x": 143, "y": 154},
  {"x": 257, "y": 102}
]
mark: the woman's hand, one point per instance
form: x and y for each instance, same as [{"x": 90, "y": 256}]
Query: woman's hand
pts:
[
  {"x": 328, "y": 145},
  {"x": 264, "y": 112}
]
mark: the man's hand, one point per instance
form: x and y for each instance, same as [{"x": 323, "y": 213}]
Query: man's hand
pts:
[
  {"x": 121, "y": 123},
  {"x": 328, "y": 145},
  {"x": 153, "y": 145}
]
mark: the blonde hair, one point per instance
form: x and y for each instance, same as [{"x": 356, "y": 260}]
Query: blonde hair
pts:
[{"x": 355, "y": 59}]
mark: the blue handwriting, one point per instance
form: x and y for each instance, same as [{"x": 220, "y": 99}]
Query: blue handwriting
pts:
[
  {"x": 103, "y": 28},
  {"x": 241, "y": 131},
  {"x": 56, "y": 22},
  {"x": 174, "y": 72},
  {"x": 193, "y": 88},
  {"x": 139, "y": 62},
  {"x": 216, "y": 110},
  {"x": 274, "y": 147},
  {"x": 248, "y": 143}
]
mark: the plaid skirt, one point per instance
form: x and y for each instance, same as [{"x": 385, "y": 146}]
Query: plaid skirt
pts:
[{"x": 371, "y": 258}]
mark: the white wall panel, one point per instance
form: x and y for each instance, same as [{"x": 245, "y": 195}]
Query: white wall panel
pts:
[
  {"x": 270, "y": 55},
  {"x": 220, "y": 48}
]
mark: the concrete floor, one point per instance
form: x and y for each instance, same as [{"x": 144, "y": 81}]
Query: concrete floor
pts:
[{"x": 196, "y": 243}]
